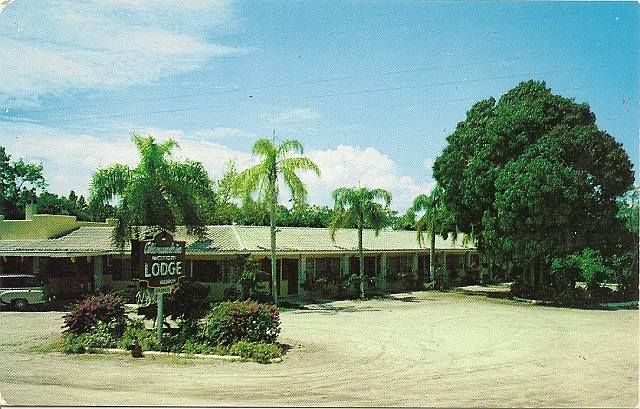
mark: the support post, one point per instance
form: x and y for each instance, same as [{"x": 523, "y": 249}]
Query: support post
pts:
[
  {"x": 383, "y": 271},
  {"x": 482, "y": 268},
  {"x": 345, "y": 266},
  {"x": 98, "y": 272},
  {"x": 444, "y": 280},
  {"x": 160, "y": 317},
  {"x": 414, "y": 269},
  {"x": 35, "y": 266},
  {"x": 302, "y": 275}
]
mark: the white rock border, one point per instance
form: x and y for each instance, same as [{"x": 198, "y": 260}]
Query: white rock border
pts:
[{"x": 229, "y": 358}]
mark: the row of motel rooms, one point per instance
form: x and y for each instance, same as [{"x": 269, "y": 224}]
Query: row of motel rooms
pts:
[{"x": 74, "y": 257}]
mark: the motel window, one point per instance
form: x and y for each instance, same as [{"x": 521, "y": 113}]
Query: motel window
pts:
[
  {"x": 208, "y": 270},
  {"x": 265, "y": 269},
  {"x": 328, "y": 268},
  {"x": 16, "y": 265},
  {"x": 370, "y": 265},
  {"x": 58, "y": 267},
  {"x": 398, "y": 267},
  {"x": 119, "y": 268}
]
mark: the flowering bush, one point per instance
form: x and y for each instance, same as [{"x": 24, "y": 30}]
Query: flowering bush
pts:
[
  {"x": 230, "y": 322},
  {"x": 94, "y": 309}
]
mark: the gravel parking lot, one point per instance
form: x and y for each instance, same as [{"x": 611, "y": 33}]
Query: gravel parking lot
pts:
[{"x": 426, "y": 349}]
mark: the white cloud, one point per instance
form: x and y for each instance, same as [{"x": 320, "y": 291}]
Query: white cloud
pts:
[
  {"x": 296, "y": 115},
  {"x": 63, "y": 45},
  {"x": 71, "y": 159},
  {"x": 346, "y": 166}
]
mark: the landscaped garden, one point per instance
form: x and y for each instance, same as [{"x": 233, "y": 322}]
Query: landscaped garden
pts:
[{"x": 246, "y": 329}]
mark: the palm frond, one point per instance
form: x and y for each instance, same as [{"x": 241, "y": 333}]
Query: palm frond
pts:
[
  {"x": 191, "y": 175},
  {"x": 344, "y": 197},
  {"x": 299, "y": 163},
  {"x": 249, "y": 179},
  {"x": 381, "y": 194},
  {"x": 421, "y": 202},
  {"x": 289, "y": 145},
  {"x": 295, "y": 185},
  {"x": 421, "y": 226},
  {"x": 340, "y": 220},
  {"x": 264, "y": 147},
  {"x": 108, "y": 183},
  {"x": 375, "y": 216}
]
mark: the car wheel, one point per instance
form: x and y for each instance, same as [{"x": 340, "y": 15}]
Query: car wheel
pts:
[{"x": 20, "y": 305}]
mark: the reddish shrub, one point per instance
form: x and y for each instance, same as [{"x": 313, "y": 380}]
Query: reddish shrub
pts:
[{"x": 92, "y": 310}]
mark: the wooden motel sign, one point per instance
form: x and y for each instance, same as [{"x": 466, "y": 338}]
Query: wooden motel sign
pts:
[{"x": 162, "y": 260}]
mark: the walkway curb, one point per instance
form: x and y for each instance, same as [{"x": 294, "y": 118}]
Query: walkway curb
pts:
[{"x": 229, "y": 358}]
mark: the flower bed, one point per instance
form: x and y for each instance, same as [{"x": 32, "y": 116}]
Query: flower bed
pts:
[{"x": 240, "y": 330}]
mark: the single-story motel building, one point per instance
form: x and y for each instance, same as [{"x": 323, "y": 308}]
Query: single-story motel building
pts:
[{"x": 75, "y": 257}]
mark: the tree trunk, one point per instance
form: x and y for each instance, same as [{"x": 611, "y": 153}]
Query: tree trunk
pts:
[
  {"x": 274, "y": 276},
  {"x": 432, "y": 255},
  {"x": 361, "y": 256}
]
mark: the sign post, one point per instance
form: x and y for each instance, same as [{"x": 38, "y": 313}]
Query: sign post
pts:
[
  {"x": 162, "y": 262},
  {"x": 160, "y": 315}
]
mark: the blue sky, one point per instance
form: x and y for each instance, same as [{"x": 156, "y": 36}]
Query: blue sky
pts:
[{"x": 371, "y": 88}]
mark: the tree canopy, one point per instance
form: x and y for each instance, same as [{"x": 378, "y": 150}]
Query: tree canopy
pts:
[
  {"x": 159, "y": 192},
  {"x": 534, "y": 178},
  {"x": 20, "y": 183}
]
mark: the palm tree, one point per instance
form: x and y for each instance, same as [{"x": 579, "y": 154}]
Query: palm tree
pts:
[
  {"x": 263, "y": 178},
  {"x": 433, "y": 220},
  {"x": 359, "y": 206},
  {"x": 159, "y": 192}
]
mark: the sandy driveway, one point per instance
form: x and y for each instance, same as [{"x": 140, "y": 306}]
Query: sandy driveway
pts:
[{"x": 437, "y": 350}]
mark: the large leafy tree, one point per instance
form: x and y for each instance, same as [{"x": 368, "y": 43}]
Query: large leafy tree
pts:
[
  {"x": 361, "y": 207},
  {"x": 533, "y": 178},
  {"x": 19, "y": 185},
  {"x": 160, "y": 192},
  {"x": 276, "y": 164}
]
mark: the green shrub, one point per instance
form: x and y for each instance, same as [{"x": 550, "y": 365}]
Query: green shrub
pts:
[
  {"x": 136, "y": 331},
  {"x": 194, "y": 347},
  {"x": 94, "y": 309},
  {"x": 260, "y": 352},
  {"x": 230, "y": 322},
  {"x": 104, "y": 335},
  {"x": 74, "y": 344},
  {"x": 187, "y": 331}
]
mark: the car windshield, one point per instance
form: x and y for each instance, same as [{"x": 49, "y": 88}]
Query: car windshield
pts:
[{"x": 19, "y": 282}]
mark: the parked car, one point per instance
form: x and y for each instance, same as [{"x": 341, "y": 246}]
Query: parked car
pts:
[{"x": 21, "y": 290}]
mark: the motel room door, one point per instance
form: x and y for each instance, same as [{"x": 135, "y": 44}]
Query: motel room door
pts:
[{"x": 290, "y": 273}]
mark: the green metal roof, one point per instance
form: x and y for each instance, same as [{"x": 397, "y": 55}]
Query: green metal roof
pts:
[{"x": 235, "y": 239}]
